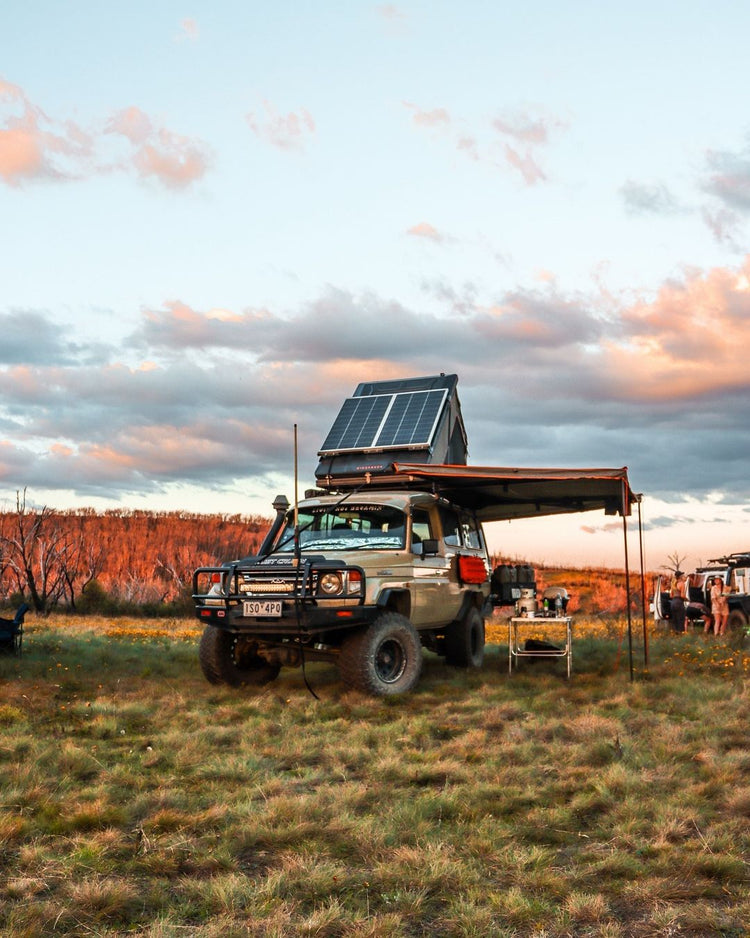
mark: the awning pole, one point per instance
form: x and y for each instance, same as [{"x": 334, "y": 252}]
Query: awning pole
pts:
[
  {"x": 643, "y": 586},
  {"x": 627, "y": 588}
]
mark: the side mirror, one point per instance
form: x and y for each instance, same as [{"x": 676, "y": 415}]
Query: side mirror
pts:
[{"x": 430, "y": 547}]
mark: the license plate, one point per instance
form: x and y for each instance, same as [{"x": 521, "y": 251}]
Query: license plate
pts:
[{"x": 264, "y": 607}]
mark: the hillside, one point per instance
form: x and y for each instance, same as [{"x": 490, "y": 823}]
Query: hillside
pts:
[
  {"x": 141, "y": 557},
  {"x": 134, "y": 556}
]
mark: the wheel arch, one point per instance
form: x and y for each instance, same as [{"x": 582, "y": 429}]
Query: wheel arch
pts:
[
  {"x": 396, "y": 599},
  {"x": 472, "y": 599}
]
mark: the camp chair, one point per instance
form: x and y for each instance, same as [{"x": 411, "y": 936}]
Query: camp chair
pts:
[{"x": 11, "y": 631}]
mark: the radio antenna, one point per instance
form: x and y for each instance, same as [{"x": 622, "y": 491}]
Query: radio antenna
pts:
[
  {"x": 296, "y": 496},
  {"x": 298, "y": 564}
]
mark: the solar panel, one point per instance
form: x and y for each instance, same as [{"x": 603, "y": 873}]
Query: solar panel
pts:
[{"x": 406, "y": 419}]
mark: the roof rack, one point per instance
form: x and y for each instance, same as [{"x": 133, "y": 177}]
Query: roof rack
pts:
[
  {"x": 418, "y": 419},
  {"x": 737, "y": 559}
]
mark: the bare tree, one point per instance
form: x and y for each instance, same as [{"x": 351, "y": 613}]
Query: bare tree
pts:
[
  {"x": 675, "y": 562},
  {"x": 36, "y": 549},
  {"x": 84, "y": 560}
]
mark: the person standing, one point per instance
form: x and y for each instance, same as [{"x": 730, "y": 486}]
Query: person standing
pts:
[
  {"x": 719, "y": 606},
  {"x": 677, "y": 593}
]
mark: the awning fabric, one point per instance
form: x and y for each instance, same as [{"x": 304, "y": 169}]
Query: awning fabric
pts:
[{"x": 500, "y": 494}]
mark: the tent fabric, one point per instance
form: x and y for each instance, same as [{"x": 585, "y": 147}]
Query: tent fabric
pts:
[{"x": 501, "y": 494}]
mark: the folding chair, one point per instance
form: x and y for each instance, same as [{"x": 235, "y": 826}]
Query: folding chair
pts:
[{"x": 11, "y": 631}]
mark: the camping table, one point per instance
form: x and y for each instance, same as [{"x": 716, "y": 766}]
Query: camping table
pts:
[{"x": 515, "y": 651}]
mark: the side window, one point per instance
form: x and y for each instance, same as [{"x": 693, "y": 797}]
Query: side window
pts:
[
  {"x": 421, "y": 528},
  {"x": 451, "y": 527},
  {"x": 470, "y": 531}
]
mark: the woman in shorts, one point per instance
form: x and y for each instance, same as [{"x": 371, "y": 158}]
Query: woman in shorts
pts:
[{"x": 719, "y": 606}]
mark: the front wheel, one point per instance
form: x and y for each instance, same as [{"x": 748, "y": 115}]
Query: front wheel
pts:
[
  {"x": 383, "y": 659},
  {"x": 226, "y": 659},
  {"x": 464, "y": 641}
]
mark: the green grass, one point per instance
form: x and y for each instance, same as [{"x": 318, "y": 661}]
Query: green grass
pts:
[{"x": 138, "y": 799}]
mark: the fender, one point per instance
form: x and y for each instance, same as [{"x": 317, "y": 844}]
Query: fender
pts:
[
  {"x": 471, "y": 599},
  {"x": 396, "y": 598}
]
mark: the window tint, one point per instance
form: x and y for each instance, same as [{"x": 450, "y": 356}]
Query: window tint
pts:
[
  {"x": 470, "y": 530},
  {"x": 451, "y": 526},
  {"x": 420, "y": 526}
]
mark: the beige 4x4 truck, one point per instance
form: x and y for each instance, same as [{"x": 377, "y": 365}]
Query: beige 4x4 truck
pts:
[{"x": 363, "y": 580}]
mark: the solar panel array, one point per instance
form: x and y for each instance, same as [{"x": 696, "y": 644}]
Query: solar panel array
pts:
[{"x": 386, "y": 421}]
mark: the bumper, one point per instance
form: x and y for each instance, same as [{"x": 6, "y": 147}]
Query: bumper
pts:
[{"x": 308, "y": 620}]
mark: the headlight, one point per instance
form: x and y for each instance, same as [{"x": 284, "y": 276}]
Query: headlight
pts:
[{"x": 330, "y": 584}]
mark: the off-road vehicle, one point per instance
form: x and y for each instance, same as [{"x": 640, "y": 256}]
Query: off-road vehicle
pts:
[
  {"x": 734, "y": 570},
  {"x": 364, "y": 580},
  {"x": 387, "y": 554}
]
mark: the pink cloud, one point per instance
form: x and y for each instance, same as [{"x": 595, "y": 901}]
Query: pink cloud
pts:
[
  {"x": 174, "y": 160},
  {"x": 132, "y": 123},
  {"x": 532, "y": 133},
  {"x": 437, "y": 117},
  {"x": 521, "y": 136},
  {"x": 468, "y": 145},
  {"x": 35, "y": 146},
  {"x": 691, "y": 339},
  {"x": 523, "y": 128},
  {"x": 525, "y": 164},
  {"x": 188, "y": 31},
  {"x": 32, "y": 146},
  {"x": 425, "y": 230},
  {"x": 284, "y": 131}
]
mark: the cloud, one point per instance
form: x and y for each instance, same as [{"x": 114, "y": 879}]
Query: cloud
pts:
[
  {"x": 685, "y": 343},
  {"x": 173, "y": 160},
  {"x": 425, "y": 230},
  {"x": 726, "y": 179},
  {"x": 522, "y": 136},
  {"x": 34, "y": 146},
  {"x": 533, "y": 132},
  {"x": 526, "y": 165},
  {"x": 729, "y": 178},
  {"x": 524, "y": 128},
  {"x": 648, "y": 199},
  {"x": 390, "y": 12},
  {"x": 546, "y": 378},
  {"x": 188, "y": 31},
  {"x": 437, "y": 117},
  {"x": 290, "y": 131},
  {"x": 725, "y": 225},
  {"x": 393, "y": 19}
]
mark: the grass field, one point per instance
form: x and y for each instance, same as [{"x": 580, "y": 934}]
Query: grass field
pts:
[{"x": 138, "y": 799}]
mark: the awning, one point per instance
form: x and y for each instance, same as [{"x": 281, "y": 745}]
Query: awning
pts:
[{"x": 500, "y": 494}]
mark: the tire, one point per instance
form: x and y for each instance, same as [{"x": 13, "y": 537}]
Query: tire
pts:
[
  {"x": 464, "y": 641},
  {"x": 384, "y": 659},
  {"x": 736, "y": 621},
  {"x": 223, "y": 661}
]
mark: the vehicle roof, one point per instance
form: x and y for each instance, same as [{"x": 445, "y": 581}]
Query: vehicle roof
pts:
[{"x": 390, "y": 498}]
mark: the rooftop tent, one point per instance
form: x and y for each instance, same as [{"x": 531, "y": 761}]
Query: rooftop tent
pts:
[
  {"x": 500, "y": 494},
  {"x": 418, "y": 419}
]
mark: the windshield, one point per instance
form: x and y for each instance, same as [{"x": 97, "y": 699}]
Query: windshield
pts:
[{"x": 346, "y": 527}]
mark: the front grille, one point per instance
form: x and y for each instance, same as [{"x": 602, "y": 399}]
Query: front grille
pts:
[
  {"x": 259, "y": 583},
  {"x": 261, "y": 588}
]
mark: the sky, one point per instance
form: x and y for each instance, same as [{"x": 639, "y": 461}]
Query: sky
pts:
[{"x": 218, "y": 218}]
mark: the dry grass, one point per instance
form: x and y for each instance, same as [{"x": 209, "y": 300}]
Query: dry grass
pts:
[{"x": 137, "y": 799}]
